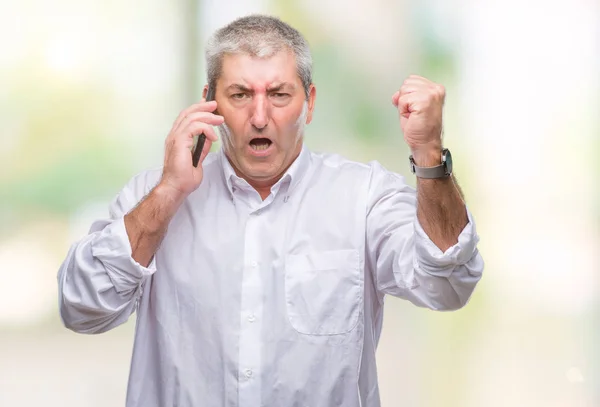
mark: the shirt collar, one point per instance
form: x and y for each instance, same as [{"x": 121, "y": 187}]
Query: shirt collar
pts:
[{"x": 293, "y": 175}]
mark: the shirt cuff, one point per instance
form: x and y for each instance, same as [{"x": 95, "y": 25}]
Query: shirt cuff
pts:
[
  {"x": 432, "y": 260},
  {"x": 113, "y": 249}
]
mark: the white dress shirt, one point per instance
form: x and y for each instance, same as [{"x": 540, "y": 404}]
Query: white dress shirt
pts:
[{"x": 274, "y": 303}]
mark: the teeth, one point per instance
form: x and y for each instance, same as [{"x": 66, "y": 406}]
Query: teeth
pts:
[{"x": 260, "y": 147}]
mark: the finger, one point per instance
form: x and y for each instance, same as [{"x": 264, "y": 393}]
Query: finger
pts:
[
  {"x": 395, "y": 97},
  {"x": 197, "y": 128},
  {"x": 404, "y": 105},
  {"x": 422, "y": 84},
  {"x": 179, "y": 143},
  {"x": 191, "y": 130},
  {"x": 194, "y": 130},
  {"x": 188, "y": 133},
  {"x": 418, "y": 83},
  {"x": 185, "y": 112},
  {"x": 202, "y": 117},
  {"x": 412, "y": 102},
  {"x": 409, "y": 88},
  {"x": 202, "y": 106}
]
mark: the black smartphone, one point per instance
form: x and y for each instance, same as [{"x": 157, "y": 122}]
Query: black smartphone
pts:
[{"x": 210, "y": 95}]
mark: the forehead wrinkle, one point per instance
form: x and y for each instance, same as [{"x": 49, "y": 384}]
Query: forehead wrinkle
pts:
[
  {"x": 261, "y": 75},
  {"x": 268, "y": 86}
]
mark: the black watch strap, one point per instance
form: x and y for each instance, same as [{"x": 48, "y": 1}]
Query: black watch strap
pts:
[{"x": 439, "y": 171}]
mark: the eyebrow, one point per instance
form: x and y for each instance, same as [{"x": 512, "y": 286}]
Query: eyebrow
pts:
[
  {"x": 281, "y": 86},
  {"x": 241, "y": 88},
  {"x": 238, "y": 87}
]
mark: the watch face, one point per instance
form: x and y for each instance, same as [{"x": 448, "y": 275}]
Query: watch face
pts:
[{"x": 447, "y": 158}]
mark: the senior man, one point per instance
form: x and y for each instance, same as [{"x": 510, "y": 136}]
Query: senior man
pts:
[{"x": 258, "y": 277}]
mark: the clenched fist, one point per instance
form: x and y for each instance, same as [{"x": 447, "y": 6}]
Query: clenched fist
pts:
[
  {"x": 420, "y": 103},
  {"x": 178, "y": 172}
]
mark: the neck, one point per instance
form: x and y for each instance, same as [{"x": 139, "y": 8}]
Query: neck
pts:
[{"x": 263, "y": 186}]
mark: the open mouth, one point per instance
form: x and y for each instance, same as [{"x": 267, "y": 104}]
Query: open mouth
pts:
[{"x": 260, "y": 144}]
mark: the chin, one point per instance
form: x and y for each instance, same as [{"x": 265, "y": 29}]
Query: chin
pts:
[{"x": 261, "y": 171}]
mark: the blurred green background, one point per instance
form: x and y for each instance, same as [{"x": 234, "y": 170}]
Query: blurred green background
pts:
[{"x": 89, "y": 90}]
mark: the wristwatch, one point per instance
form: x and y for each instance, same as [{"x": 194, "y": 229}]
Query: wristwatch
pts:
[{"x": 439, "y": 171}]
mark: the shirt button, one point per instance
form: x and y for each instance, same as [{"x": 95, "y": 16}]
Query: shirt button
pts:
[
  {"x": 254, "y": 264},
  {"x": 258, "y": 212},
  {"x": 251, "y": 318},
  {"x": 248, "y": 373}
]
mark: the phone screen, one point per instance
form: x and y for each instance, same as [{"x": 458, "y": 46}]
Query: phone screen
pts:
[{"x": 210, "y": 95}]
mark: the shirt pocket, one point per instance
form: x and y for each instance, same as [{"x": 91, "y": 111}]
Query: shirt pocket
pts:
[{"x": 323, "y": 291}]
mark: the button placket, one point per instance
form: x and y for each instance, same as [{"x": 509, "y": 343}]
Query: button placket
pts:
[{"x": 250, "y": 345}]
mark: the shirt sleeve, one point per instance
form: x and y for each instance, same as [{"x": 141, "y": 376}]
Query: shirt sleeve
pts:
[
  {"x": 404, "y": 261},
  {"x": 99, "y": 281}
]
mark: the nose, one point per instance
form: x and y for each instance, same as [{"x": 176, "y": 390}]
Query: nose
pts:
[{"x": 260, "y": 112}]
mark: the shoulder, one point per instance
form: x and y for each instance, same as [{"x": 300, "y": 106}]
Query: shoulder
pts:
[
  {"x": 337, "y": 162},
  {"x": 343, "y": 166},
  {"x": 136, "y": 188},
  {"x": 140, "y": 184},
  {"x": 372, "y": 179}
]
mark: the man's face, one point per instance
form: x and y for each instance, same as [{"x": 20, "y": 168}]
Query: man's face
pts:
[{"x": 265, "y": 110}]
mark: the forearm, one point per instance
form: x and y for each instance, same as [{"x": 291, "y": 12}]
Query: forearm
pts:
[
  {"x": 147, "y": 224},
  {"x": 405, "y": 261},
  {"x": 440, "y": 206}
]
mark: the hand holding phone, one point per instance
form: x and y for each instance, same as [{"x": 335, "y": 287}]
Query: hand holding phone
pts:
[{"x": 179, "y": 146}]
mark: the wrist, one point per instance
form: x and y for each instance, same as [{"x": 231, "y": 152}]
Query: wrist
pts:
[
  {"x": 153, "y": 214},
  {"x": 427, "y": 157},
  {"x": 169, "y": 196}
]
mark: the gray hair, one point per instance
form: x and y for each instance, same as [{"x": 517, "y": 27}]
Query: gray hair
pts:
[{"x": 261, "y": 36}]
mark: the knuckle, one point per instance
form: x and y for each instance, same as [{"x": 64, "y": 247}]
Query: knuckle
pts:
[
  {"x": 193, "y": 117},
  {"x": 200, "y": 116},
  {"x": 197, "y": 127}
]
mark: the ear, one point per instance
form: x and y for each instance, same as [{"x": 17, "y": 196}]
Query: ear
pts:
[
  {"x": 204, "y": 91},
  {"x": 312, "y": 95}
]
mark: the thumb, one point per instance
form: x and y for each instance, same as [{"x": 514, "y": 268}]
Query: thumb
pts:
[
  {"x": 395, "y": 98},
  {"x": 405, "y": 105}
]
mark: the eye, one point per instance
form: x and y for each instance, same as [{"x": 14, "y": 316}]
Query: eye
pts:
[
  {"x": 238, "y": 96},
  {"x": 279, "y": 95}
]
